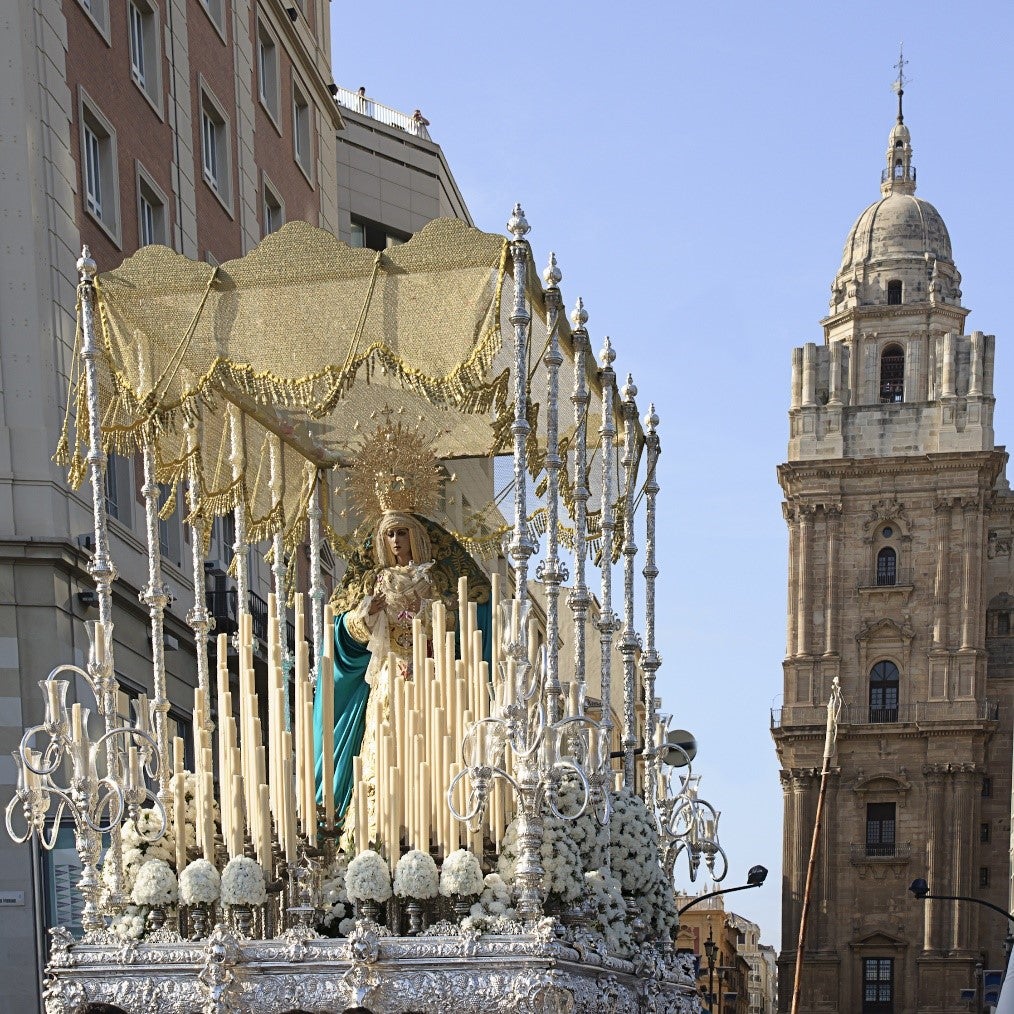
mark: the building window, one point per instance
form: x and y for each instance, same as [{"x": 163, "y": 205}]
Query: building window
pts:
[
  {"x": 169, "y": 526},
  {"x": 119, "y": 488},
  {"x": 374, "y": 236},
  {"x": 894, "y": 293},
  {"x": 216, "y": 11},
  {"x": 987, "y": 787},
  {"x": 984, "y": 876},
  {"x": 151, "y": 211},
  {"x": 215, "y": 147},
  {"x": 98, "y": 169},
  {"x": 892, "y": 374},
  {"x": 273, "y": 210},
  {"x": 984, "y": 832},
  {"x": 880, "y": 828},
  {"x": 887, "y": 566},
  {"x": 302, "y": 143},
  {"x": 878, "y": 985},
  {"x": 98, "y": 12},
  {"x": 143, "y": 29},
  {"x": 884, "y": 692},
  {"x": 267, "y": 70}
]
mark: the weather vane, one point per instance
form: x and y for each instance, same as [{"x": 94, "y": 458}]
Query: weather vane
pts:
[{"x": 898, "y": 85}]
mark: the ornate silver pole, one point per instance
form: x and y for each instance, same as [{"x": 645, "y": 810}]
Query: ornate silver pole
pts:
[
  {"x": 200, "y": 620},
  {"x": 629, "y": 641},
  {"x": 607, "y": 618},
  {"x": 316, "y": 585},
  {"x": 237, "y": 458},
  {"x": 579, "y": 599},
  {"x": 522, "y": 546},
  {"x": 552, "y": 571},
  {"x": 650, "y": 658},
  {"x": 101, "y": 667},
  {"x": 276, "y": 484},
  {"x": 155, "y": 595}
]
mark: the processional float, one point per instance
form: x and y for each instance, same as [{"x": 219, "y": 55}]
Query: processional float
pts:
[{"x": 487, "y": 854}]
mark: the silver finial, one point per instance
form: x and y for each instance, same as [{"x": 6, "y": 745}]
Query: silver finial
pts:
[
  {"x": 86, "y": 265},
  {"x": 606, "y": 354},
  {"x": 629, "y": 391},
  {"x": 651, "y": 419},
  {"x": 579, "y": 315},
  {"x": 518, "y": 225},
  {"x": 552, "y": 275}
]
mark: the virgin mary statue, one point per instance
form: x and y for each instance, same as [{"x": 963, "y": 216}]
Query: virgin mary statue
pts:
[
  {"x": 406, "y": 563},
  {"x": 366, "y": 637}
]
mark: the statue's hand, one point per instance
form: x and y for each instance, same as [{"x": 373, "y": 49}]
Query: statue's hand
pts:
[{"x": 378, "y": 603}]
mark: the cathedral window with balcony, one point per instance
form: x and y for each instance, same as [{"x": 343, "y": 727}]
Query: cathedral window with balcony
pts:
[
  {"x": 887, "y": 567},
  {"x": 880, "y": 829},
  {"x": 884, "y": 683},
  {"x": 892, "y": 371}
]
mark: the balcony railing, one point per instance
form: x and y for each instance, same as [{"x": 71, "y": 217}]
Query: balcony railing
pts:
[
  {"x": 866, "y": 852},
  {"x": 363, "y": 104},
  {"x": 221, "y": 603},
  {"x": 919, "y": 712}
]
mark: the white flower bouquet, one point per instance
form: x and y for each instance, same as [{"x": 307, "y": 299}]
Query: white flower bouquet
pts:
[
  {"x": 200, "y": 883},
  {"x": 494, "y": 905},
  {"x": 416, "y": 876},
  {"x": 334, "y": 900},
  {"x": 605, "y": 897},
  {"x": 460, "y": 875},
  {"x": 128, "y": 925},
  {"x": 155, "y": 884},
  {"x": 243, "y": 882},
  {"x": 367, "y": 878},
  {"x": 633, "y": 843}
]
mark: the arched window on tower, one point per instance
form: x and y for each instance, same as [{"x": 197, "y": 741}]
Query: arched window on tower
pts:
[
  {"x": 894, "y": 292},
  {"x": 887, "y": 566},
  {"x": 892, "y": 374},
  {"x": 884, "y": 692}
]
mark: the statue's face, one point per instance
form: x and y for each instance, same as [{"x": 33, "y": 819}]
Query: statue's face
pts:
[{"x": 400, "y": 544}]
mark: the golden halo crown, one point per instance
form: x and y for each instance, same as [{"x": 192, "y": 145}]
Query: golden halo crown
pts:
[{"x": 394, "y": 469}]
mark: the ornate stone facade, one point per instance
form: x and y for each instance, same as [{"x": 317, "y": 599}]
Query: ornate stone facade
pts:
[{"x": 900, "y": 583}]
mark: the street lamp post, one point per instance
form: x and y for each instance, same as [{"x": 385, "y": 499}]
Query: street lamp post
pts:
[
  {"x": 920, "y": 890},
  {"x": 755, "y": 878},
  {"x": 711, "y": 949}
]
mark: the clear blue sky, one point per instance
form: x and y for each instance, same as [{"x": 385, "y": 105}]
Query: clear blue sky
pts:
[{"x": 695, "y": 167}]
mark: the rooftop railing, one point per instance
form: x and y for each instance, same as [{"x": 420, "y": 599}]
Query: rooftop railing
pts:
[
  {"x": 919, "y": 712},
  {"x": 363, "y": 104}
]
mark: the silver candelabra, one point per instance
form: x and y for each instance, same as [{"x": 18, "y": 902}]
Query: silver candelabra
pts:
[
  {"x": 542, "y": 754},
  {"x": 61, "y": 747}
]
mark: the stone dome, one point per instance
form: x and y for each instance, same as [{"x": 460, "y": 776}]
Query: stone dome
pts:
[
  {"x": 899, "y": 250},
  {"x": 898, "y": 225}
]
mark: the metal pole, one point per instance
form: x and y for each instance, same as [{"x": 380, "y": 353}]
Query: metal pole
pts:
[
  {"x": 579, "y": 598},
  {"x": 650, "y": 658},
  {"x": 607, "y": 619},
  {"x": 551, "y": 571},
  {"x": 629, "y": 641},
  {"x": 316, "y": 584}
]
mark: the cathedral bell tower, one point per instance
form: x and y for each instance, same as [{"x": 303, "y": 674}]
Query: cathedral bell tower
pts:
[{"x": 900, "y": 584}]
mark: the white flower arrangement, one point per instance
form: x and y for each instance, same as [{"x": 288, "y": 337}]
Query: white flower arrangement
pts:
[
  {"x": 416, "y": 876},
  {"x": 367, "y": 878},
  {"x": 243, "y": 882},
  {"x": 633, "y": 843},
  {"x": 605, "y": 898},
  {"x": 200, "y": 883},
  {"x": 334, "y": 899},
  {"x": 128, "y": 925},
  {"x": 155, "y": 884},
  {"x": 494, "y": 905},
  {"x": 460, "y": 875}
]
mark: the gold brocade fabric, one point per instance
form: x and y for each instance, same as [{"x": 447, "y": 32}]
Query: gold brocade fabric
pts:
[{"x": 284, "y": 352}]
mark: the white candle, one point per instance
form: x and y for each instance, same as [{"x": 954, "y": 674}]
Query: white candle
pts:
[
  {"x": 208, "y": 818},
  {"x": 180, "y": 821}
]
